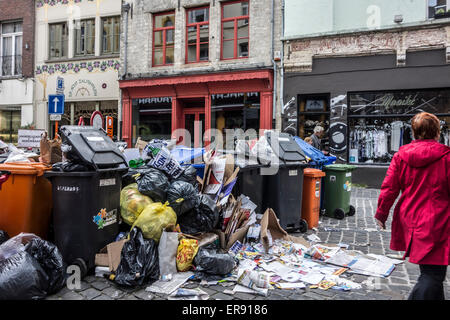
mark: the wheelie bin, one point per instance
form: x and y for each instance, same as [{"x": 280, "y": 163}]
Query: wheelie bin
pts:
[
  {"x": 283, "y": 190},
  {"x": 25, "y": 199},
  {"x": 337, "y": 190},
  {"x": 86, "y": 204},
  {"x": 311, "y": 196}
]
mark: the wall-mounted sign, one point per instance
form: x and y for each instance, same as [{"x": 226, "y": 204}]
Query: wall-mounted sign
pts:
[
  {"x": 29, "y": 138},
  {"x": 83, "y": 88},
  {"x": 97, "y": 120},
  {"x": 109, "y": 126}
]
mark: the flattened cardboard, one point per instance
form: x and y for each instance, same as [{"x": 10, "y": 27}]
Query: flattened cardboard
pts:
[
  {"x": 109, "y": 256},
  {"x": 270, "y": 222}
]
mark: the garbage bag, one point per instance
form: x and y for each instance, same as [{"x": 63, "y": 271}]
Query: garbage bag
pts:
[
  {"x": 182, "y": 197},
  {"x": 70, "y": 166},
  {"x": 161, "y": 158},
  {"x": 154, "y": 219},
  {"x": 3, "y": 236},
  {"x": 31, "y": 270},
  {"x": 188, "y": 175},
  {"x": 186, "y": 251},
  {"x": 132, "y": 203},
  {"x": 128, "y": 178},
  {"x": 22, "y": 278},
  {"x": 212, "y": 262},
  {"x": 153, "y": 183},
  {"x": 51, "y": 260},
  {"x": 167, "y": 252},
  {"x": 203, "y": 218},
  {"x": 138, "y": 261}
]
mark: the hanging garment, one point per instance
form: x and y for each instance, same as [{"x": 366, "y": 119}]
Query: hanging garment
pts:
[{"x": 396, "y": 135}]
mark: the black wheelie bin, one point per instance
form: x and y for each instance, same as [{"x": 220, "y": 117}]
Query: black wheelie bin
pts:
[{"x": 86, "y": 204}]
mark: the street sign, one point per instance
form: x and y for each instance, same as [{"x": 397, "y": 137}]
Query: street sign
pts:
[
  {"x": 55, "y": 104},
  {"x": 97, "y": 120},
  {"x": 110, "y": 126},
  {"x": 60, "y": 85},
  {"x": 55, "y": 117}
]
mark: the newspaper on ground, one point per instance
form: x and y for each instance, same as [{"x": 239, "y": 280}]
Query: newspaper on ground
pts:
[{"x": 167, "y": 287}]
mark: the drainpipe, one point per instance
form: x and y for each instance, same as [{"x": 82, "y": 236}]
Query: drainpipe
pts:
[
  {"x": 275, "y": 80},
  {"x": 282, "y": 62},
  {"x": 126, "y": 8}
]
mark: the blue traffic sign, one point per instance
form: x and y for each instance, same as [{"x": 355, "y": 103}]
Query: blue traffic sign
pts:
[{"x": 55, "y": 104}]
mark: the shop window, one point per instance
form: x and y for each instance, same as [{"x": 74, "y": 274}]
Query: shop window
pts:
[
  {"x": 235, "y": 111},
  {"x": 235, "y": 30},
  {"x": 11, "y": 49},
  {"x": 10, "y": 119},
  {"x": 380, "y": 122},
  {"x": 85, "y": 37},
  {"x": 111, "y": 35},
  {"x": 163, "y": 39},
  {"x": 313, "y": 110},
  {"x": 152, "y": 118},
  {"x": 197, "y": 35},
  {"x": 438, "y": 8}
]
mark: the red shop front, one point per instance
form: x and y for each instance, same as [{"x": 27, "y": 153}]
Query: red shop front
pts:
[{"x": 157, "y": 107}]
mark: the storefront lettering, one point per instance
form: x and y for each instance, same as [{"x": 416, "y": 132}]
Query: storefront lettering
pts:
[
  {"x": 234, "y": 95},
  {"x": 155, "y": 100},
  {"x": 83, "y": 90},
  {"x": 389, "y": 101}
]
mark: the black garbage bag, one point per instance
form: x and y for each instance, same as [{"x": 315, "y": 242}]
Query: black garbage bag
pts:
[
  {"x": 182, "y": 197},
  {"x": 188, "y": 175},
  {"x": 211, "y": 261},
  {"x": 203, "y": 218},
  {"x": 153, "y": 183},
  {"x": 71, "y": 166},
  {"x": 51, "y": 260},
  {"x": 128, "y": 178},
  {"x": 139, "y": 262},
  {"x": 3, "y": 236},
  {"x": 22, "y": 278}
]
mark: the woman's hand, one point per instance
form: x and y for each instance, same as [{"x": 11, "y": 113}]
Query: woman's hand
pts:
[{"x": 380, "y": 224}]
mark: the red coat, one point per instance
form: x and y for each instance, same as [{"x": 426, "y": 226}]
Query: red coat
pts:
[{"x": 421, "y": 221}]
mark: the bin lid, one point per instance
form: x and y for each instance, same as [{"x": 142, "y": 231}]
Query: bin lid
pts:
[
  {"x": 288, "y": 149},
  {"x": 25, "y": 168},
  {"x": 93, "y": 146},
  {"x": 313, "y": 173},
  {"x": 339, "y": 167}
]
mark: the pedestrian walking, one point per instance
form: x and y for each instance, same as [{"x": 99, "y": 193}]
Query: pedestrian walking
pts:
[{"x": 420, "y": 224}]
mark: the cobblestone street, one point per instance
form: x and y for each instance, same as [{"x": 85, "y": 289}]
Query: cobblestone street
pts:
[{"x": 359, "y": 232}]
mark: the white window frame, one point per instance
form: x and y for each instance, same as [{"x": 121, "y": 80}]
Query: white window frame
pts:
[
  {"x": 12, "y": 35},
  {"x": 447, "y": 7}
]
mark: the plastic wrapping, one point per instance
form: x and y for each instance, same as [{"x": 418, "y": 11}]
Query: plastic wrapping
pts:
[
  {"x": 212, "y": 262},
  {"x": 188, "y": 175},
  {"x": 138, "y": 261},
  {"x": 70, "y": 166},
  {"x": 132, "y": 203},
  {"x": 203, "y": 218},
  {"x": 153, "y": 183},
  {"x": 161, "y": 158},
  {"x": 15, "y": 245},
  {"x": 3, "y": 236},
  {"x": 154, "y": 219},
  {"x": 167, "y": 252},
  {"x": 186, "y": 251},
  {"x": 182, "y": 197}
]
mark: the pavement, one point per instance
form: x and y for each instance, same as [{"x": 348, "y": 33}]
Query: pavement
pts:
[{"x": 359, "y": 232}]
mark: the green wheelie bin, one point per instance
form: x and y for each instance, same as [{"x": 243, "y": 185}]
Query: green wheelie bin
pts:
[{"x": 337, "y": 190}]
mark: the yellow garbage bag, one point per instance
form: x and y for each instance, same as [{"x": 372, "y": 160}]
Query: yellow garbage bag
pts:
[
  {"x": 187, "y": 249},
  {"x": 154, "y": 219},
  {"x": 132, "y": 203}
]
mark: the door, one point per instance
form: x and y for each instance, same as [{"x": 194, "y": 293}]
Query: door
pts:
[{"x": 194, "y": 124}]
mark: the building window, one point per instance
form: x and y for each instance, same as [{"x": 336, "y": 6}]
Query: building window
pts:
[
  {"x": 59, "y": 40},
  {"x": 197, "y": 35},
  {"x": 9, "y": 124},
  {"x": 111, "y": 35},
  {"x": 163, "y": 39},
  {"x": 438, "y": 8},
  {"x": 85, "y": 37},
  {"x": 235, "y": 30},
  {"x": 11, "y": 49}
]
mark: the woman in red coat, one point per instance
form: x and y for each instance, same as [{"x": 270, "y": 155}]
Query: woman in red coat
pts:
[{"x": 421, "y": 224}]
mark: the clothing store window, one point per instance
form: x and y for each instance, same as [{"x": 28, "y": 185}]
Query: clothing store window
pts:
[
  {"x": 313, "y": 110},
  {"x": 163, "y": 39},
  {"x": 380, "y": 122},
  {"x": 152, "y": 118},
  {"x": 9, "y": 124},
  {"x": 236, "y": 111}
]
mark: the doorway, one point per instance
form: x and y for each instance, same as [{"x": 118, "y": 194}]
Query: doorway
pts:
[{"x": 194, "y": 122}]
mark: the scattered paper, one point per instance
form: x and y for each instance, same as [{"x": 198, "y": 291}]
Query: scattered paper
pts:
[
  {"x": 189, "y": 294},
  {"x": 167, "y": 287},
  {"x": 312, "y": 278},
  {"x": 297, "y": 285}
]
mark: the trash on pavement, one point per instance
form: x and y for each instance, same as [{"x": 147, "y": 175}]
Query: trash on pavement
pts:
[
  {"x": 132, "y": 203},
  {"x": 167, "y": 252},
  {"x": 50, "y": 149},
  {"x": 189, "y": 294},
  {"x": 203, "y": 218},
  {"x": 139, "y": 262},
  {"x": 161, "y": 158},
  {"x": 153, "y": 183},
  {"x": 182, "y": 197},
  {"x": 213, "y": 262},
  {"x": 186, "y": 251},
  {"x": 154, "y": 219},
  {"x": 167, "y": 287},
  {"x": 109, "y": 256}
]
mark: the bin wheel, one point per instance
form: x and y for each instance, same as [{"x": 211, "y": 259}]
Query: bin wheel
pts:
[
  {"x": 351, "y": 212},
  {"x": 339, "y": 214},
  {"x": 303, "y": 226},
  {"x": 82, "y": 265}
]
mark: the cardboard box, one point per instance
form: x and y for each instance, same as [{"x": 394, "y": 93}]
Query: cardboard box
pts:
[{"x": 109, "y": 256}]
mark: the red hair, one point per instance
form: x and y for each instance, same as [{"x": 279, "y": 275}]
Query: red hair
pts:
[{"x": 425, "y": 126}]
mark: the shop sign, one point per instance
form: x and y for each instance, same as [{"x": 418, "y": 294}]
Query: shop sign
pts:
[
  {"x": 234, "y": 95},
  {"x": 83, "y": 88},
  {"x": 29, "y": 138},
  {"x": 155, "y": 100}
]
